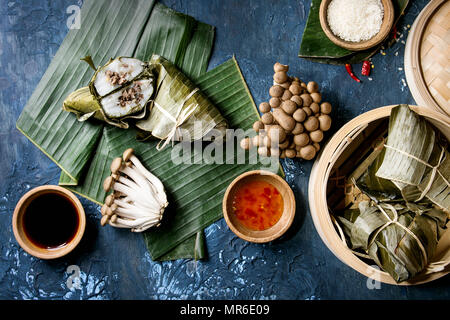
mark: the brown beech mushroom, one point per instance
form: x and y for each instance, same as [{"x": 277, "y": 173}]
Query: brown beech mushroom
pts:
[
  {"x": 104, "y": 220},
  {"x": 312, "y": 87},
  {"x": 291, "y": 153},
  {"x": 289, "y": 106},
  {"x": 266, "y": 142},
  {"x": 286, "y": 95},
  {"x": 263, "y": 151},
  {"x": 297, "y": 100},
  {"x": 311, "y": 124},
  {"x": 285, "y": 85},
  {"x": 299, "y": 115},
  {"x": 275, "y": 152},
  {"x": 324, "y": 122},
  {"x": 280, "y": 77},
  {"x": 276, "y": 133},
  {"x": 308, "y": 152},
  {"x": 245, "y": 143},
  {"x": 276, "y": 91},
  {"x": 257, "y": 140},
  {"x": 284, "y": 144},
  {"x": 299, "y": 128},
  {"x": 258, "y": 125},
  {"x": 316, "y": 97},
  {"x": 295, "y": 88},
  {"x": 316, "y": 146},
  {"x": 267, "y": 118},
  {"x": 295, "y": 116},
  {"x": 315, "y": 108},
  {"x": 264, "y": 107},
  {"x": 308, "y": 111},
  {"x": 277, "y": 67},
  {"x": 283, "y": 119},
  {"x": 274, "y": 102},
  {"x": 325, "y": 108},
  {"x": 307, "y": 100},
  {"x": 316, "y": 136},
  {"x": 301, "y": 139}
]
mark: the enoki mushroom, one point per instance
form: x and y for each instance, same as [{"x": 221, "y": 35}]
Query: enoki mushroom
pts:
[{"x": 138, "y": 200}]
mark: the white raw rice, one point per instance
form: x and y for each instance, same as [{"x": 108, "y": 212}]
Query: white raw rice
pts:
[{"x": 355, "y": 20}]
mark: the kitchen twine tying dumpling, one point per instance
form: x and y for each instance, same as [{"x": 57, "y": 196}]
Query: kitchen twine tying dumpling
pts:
[
  {"x": 182, "y": 117},
  {"x": 434, "y": 168},
  {"x": 431, "y": 268}
]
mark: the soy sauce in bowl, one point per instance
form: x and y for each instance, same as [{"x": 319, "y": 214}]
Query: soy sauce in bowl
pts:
[{"x": 50, "y": 221}]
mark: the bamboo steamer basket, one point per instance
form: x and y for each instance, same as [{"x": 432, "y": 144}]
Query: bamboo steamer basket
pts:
[
  {"x": 342, "y": 145},
  {"x": 427, "y": 57}
]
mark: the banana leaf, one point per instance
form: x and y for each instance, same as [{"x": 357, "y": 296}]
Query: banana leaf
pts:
[
  {"x": 316, "y": 46},
  {"x": 106, "y": 30},
  {"x": 176, "y": 94},
  {"x": 195, "y": 189},
  {"x": 392, "y": 248},
  {"x": 412, "y": 150},
  {"x": 375, "y": 187}
]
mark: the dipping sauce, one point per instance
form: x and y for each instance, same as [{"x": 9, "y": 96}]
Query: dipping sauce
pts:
[
  {"x": 50, "y": 221},
  {"x": 258, "y": 205}
]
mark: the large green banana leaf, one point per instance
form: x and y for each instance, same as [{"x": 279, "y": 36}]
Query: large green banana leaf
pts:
[
  {"x": 106, "y": 30},
  {"x": 316, "y": 46},
  {"x": 195, "y": 189}
]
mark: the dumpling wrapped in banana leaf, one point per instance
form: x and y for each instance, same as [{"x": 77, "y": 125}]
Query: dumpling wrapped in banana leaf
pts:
[
  {"x": 163, "y": 102},
  {"x": 414, "y": 165},
  {"x": 179, "y": 104},
  {"x": 118, "y": 91},
  {"x": 400, "y": 238}
]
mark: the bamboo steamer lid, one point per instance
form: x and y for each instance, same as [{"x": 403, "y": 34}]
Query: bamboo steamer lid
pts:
[
  {"x": 317, "y": 194},
  {"x": 427, "y": 57}
]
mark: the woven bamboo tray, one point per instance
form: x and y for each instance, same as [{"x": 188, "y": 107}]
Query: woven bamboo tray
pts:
[
  {"x": 338, "y": 158},
  {"x": 427, "y": 57}
]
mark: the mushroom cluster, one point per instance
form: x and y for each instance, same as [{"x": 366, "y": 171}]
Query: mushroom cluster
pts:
[
  {"x": 138, "y": 200},
  {"x": 295, "y": 116}
]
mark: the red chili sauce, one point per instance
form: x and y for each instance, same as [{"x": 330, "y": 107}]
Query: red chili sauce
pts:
[{"x": 258, "y": 205}]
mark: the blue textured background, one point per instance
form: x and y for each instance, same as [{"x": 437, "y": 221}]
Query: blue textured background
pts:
[{"x": 115, "y": 264}]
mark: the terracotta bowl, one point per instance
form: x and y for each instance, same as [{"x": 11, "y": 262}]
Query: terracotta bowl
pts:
[
  {"x": 18, "y": 227},
  {"x": 276, "y": 230},
  {"x": 386, "y": 26}
]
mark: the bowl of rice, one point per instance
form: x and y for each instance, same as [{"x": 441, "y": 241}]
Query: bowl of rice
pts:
[{"x": 356, "y": 25}]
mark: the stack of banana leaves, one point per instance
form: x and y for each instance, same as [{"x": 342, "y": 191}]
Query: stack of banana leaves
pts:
[
  {"x": 316, "y": 46},
  {"x": 404, "y": 213},
  {"x": 164, "y": 84}
]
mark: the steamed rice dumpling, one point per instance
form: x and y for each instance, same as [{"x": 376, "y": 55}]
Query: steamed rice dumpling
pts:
[
  {"x": 179, "y": 104},
  {"x": 414, "y": 164},
  {"x": 165, "y": 101},
  {"x": 123, "y": 87},
  {"x": 407, "y": 183},
  {"x": 128, "y": 100},
  {"x": 115, "y": 73},
  {"x": 118, "y": 91},
  {"x": 400, "y": 238}
]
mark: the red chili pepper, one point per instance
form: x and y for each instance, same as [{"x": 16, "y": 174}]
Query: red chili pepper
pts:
[
  {"x": 365, "y": 71},
  {"x": 348, "y": 67},
  {"x": 394, "y": 32}
]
